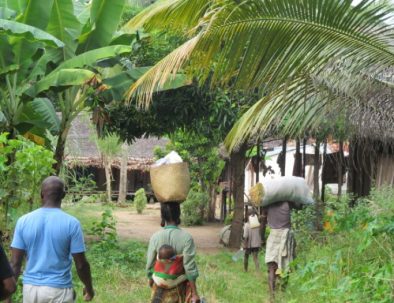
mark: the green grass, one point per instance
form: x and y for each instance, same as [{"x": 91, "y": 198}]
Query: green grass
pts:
[
  {"x": 353, "y": 262},
  {"x": 124, "y": 278},
  {"x": 119, "y": 272}
]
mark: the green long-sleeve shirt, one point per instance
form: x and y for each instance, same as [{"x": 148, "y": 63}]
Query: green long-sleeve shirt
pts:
[{"x": 183, "y": 244}]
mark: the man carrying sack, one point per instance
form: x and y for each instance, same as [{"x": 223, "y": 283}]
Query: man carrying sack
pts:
[
  {"x": 280, "y": 247},
  {"x": 278, "y": 197}
]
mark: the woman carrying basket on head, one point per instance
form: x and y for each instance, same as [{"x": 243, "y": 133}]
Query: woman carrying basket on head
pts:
[{"x": 172, "y": 278}]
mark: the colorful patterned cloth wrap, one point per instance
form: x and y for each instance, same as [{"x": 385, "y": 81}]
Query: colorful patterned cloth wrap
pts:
[
  {"x": 179, "y": 294},
  {"x": 169, "y": 273}
]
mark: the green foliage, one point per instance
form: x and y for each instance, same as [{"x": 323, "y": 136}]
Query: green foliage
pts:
[
  {"x": 78, "y": 186},
  {"x": 110, "y": 145},
  {"x": 203, "y": 157},
  {"x": 193, "y": 208},
  {"x": 105, "y": 231},
  {"x": 229, "y": 219},
  {"x": 353, "y": 260},
  {"x": 23, "y": 166},
  {"x": 140, "y": 200}
]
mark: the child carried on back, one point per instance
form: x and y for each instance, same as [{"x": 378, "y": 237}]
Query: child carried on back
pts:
[{"x": 168, "y": 271}]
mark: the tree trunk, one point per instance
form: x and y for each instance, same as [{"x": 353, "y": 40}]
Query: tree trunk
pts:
[
  {"x": 304, "y": 156},
  {"x": 238, "y": 179},
  {"x": 360, "y": 168},
  {"x": 61, "y": 143},
  {"x": 282, "y": 161},
  {"x": 108, "y": 179},
  {"x": 323, "y": 186},
  {"x": 340, "y": 165},
  {"x": 297, "y": 168},
  {"x": 316, "y": 191},
  {"x": 59, "y": 152},
  {"x": 123, "y": 174},
  {"x": 212, "y": 204}
]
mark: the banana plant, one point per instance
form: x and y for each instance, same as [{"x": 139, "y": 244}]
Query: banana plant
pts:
[
  {"x": 21, "y": 46},
  {"x": 73, "y": 37}
]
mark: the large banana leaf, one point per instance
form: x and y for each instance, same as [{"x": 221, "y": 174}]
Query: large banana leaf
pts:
[
  {"x": 6, "y": 13},
  {"x": 16, "y": 5},
  {"x": 64, "y": 25},
  {"x": 61, "y": 79},
  {"x": 90, "y": 58},
  {"x": 50, "y": 56},
  {"x": 6, "y": 55},
  {"x": 30, "y": 33},
  {"x": 104, "y": 21},
  {"x": 40, "y": 113},
  {"x": 3, "y": 119},
  {"x": 36, "y": 14}
]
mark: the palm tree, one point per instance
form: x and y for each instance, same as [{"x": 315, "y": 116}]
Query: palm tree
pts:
[{"x": 277, "y": 47}]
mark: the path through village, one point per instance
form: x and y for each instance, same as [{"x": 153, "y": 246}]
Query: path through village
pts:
[{"x": 132, "y": 226}]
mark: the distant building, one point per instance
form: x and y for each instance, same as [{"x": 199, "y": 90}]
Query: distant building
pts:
[{"x": 83, "y": 157}]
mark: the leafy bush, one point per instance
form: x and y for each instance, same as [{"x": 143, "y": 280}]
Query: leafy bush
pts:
[
  {"x": 193, "y": 208},
  {"x": 351, "y": 261},
  {"x": 105, "y": 231},
  {"x": 21, "y": 177},
  {"x": 140, "y": 200}
]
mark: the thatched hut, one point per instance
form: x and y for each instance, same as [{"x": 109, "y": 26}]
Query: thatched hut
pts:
[{"x": 84, "y": 159}]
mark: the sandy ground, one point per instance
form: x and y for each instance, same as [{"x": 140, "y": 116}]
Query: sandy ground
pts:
[{"x": 131, "y": 225}]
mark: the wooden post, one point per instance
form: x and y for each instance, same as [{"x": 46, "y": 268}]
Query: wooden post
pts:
[
  {"x": 297, "y": 168},
  {"x": 323, "y": 186},
  {"x": 123, "y": 174},
  {"x": 340, "y": 165},
  {"x": 304, "y": 156},
  {"x": 284, "y": 150},
  {"x": 258, "y": 162},
  {"x": 316, "y": 195}
]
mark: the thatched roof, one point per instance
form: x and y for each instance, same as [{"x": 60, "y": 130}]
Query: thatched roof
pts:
[{"x": 81, "y": 149}]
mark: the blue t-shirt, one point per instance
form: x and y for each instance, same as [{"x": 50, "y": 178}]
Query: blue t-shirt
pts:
[{"x": 49, "y": 236}]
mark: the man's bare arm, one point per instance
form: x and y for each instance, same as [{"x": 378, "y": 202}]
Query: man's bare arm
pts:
[
  {"x": 264, "y": 221},
  {"x": 7, "y": 288},
  {"x": 17, "y": 256},
  {"x": 83, "y": 269}
]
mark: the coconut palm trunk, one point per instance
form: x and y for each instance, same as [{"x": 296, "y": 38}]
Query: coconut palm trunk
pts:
[{"x": 238, "y": 185}]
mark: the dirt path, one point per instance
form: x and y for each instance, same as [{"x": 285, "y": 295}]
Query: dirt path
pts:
[{"x": 131, "y": 225}]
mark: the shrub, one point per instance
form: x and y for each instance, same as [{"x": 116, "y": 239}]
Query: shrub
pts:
[
  {"x": 21, "y": 179},
  {"x": 352, "y": 262},
  {"x": 140, "y": 200},
  {"x": 193, "y": 208}
]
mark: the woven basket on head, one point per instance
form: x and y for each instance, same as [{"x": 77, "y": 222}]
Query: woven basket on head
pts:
[
  {"x": 256, "y": 194},
  {"x": 170, "y": 182}
]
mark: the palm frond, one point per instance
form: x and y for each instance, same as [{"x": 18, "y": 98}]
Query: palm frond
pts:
[
  {"x": 175, "y": 14},
  {"x": 266, "y": 43},
  {"x": 363, "y": 105},
  {"x": 156, "y": 77}
]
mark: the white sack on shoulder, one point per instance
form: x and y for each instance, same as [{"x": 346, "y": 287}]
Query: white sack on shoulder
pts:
[{"x": 291, "y": 189}]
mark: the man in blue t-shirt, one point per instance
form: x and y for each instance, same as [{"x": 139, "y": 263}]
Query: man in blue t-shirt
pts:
[{"x": 50, "y": 239}]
